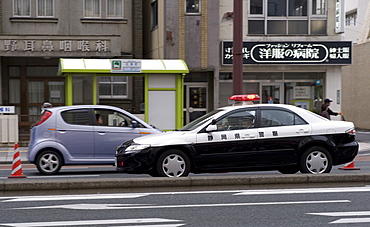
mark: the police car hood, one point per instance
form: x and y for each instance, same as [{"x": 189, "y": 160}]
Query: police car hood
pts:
[{"x": 166, "y": 138}]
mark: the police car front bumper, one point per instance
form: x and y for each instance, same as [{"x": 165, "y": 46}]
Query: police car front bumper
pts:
[{"x": 138, "y": 162}]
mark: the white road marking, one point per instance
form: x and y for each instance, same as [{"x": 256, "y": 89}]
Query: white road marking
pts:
[
  {"x": 303, "y": 190},
  {"x": 126, "y": 207},
  {"x": 98, "y": 222},
  {"x": 71, "y": 197},
  {"x": 351, "y": 220},
  {"x": 337, "y": 214}
]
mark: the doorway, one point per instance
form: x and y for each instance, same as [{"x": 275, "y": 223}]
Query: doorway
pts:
[
  {"x": 272, "y": 93},
  {"x": 195, "y": 101}
]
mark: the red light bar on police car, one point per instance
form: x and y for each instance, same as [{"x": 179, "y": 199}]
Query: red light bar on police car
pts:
[{"x": 247, "y": 99}]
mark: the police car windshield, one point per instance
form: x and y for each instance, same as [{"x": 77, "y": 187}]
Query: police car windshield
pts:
[{"x": 199, "y": 121}]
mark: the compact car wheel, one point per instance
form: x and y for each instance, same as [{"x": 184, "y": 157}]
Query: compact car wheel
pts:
[
  {"x": 316, "y": 160},
  {"x": 173, "y": 163},
  {"x": 49, "y": 162}
]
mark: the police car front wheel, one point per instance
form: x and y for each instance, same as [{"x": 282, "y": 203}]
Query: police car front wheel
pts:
[
  {"x": 173, "y": 163},
  {"x": 316, "y": 160}
]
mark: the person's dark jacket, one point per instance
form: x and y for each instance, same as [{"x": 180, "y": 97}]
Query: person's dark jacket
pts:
[{"x": 330, "y": 112}]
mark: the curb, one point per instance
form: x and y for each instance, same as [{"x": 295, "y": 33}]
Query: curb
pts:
[{"x": 194, "y": 182}]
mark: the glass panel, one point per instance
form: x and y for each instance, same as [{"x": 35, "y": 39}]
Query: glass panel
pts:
[
  {"x": 297, "y": 27},
  {"x": 42, "y": 71},
  {"x": 92, "y": 8},
  {"x": 297, "y": 7},
  {"x": 45, "y": 8},
  {"x": 14, "y": 71},
  {"x": 77, "y": 117},
  {"x": 14, "y": 92},
  {"x": 22, "y": 8},
  {"x": 256, "y": 27},
  {"x": 105, "y": 89},
  {"x": 119, "y": 89},
  {"x": 262, "y": 76},
  {"x": 237, "y": 121},
  {"x": 198, "y": 97},
  {"x": 154, "y": 7},
  {"x": 119, "y": 78},
  {"x": 192, "y": 6},
  {"x": 36, "y": 92},
  {"x": 276, "y": 27},
  {"x": 318, "y": 27},
  {"x": 115, "y": 9},
  {"x": 56, "y": 92},
  {"x": 270, "y": 94},
  {"x": 318, "y": 7},
  {"x": 34, "y": 112},
  {"x": 256, "y": 7},
  {"x": 276, "y": 8},
  {"x": 104, "y": 78},
  {"x": 82, "y": 89}
]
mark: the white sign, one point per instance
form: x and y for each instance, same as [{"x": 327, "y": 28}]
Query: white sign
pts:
[
  {"x": 339, "y": 16},
  {"x": 7, "y": 109},
  {"x": 125, "y": 66},
  {"x": 302, "y": 92}
]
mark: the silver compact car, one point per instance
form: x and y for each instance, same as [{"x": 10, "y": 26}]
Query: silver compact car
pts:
[
  {"x": 81, "y": 134},
  {"x": 241, "y": 138}
]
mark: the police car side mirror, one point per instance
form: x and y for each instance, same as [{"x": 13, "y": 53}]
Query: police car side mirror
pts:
[{"x": 211, "y": 128}]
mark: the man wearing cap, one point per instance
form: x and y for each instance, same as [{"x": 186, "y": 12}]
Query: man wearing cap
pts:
[{"x": 327, "y": 104}]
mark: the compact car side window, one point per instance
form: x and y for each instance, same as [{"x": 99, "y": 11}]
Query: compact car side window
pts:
[
  {"x": 271, "y": 118},
  {"x": 76, "y": 117},
  {"x": 237, "y": 121},
  {"x": 106, "y": 117}
]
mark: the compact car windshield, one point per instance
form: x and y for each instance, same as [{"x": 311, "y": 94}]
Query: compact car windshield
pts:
[{"x": 199, "y": 121}]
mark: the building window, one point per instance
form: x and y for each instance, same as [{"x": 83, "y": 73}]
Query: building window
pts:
[
  {"x": 192, "y": 6},
  {"x": 22, "y": 8},
  {"x": 114, "y": 8},
  {"x": 45, "y": 8},
  {"x": 154, "y": 7},
  {"x": 92, "y": 8},
  {"x": 287, "y": 17},
  {"x": 351, "y": 19},
  {"x": 113, "y": 87}
]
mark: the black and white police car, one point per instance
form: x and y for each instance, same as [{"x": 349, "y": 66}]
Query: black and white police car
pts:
[{"x": 241, "y": 138}]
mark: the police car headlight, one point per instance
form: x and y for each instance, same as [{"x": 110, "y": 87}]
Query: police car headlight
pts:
[{"x": 136, "y": 147}]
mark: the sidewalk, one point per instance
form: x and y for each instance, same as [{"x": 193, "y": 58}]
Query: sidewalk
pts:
[{"x": 6, "y": 153}]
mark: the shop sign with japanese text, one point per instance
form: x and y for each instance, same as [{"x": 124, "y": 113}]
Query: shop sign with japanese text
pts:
[{"x": 339, "y": 52}]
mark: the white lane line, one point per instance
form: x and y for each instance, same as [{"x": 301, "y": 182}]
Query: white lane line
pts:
[
  {"x": 303, "y": 190},
  {"x": 126, "y": 207},
  {"x": 350, "y": 220},
  {"x": 71, "y": 197},
  {"x": 337, "y": 214},
  {"x": 95, "y": 222}
]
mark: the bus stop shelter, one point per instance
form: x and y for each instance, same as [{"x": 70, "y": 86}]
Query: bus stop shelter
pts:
[{"x": 163, "y": 85}]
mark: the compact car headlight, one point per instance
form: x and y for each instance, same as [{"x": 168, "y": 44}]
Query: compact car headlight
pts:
[{"x": 136, "y": 147}]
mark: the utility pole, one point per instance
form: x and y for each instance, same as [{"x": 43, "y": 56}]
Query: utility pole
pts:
[{"x": 237, "y": 48}]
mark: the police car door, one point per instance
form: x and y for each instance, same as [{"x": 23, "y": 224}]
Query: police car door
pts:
[
  {"x": 279, "y": 135},
  {"x": 232, "y": 145}
]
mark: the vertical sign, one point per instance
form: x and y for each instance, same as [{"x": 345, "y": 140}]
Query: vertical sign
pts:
[{"x": 339, "y": 16}]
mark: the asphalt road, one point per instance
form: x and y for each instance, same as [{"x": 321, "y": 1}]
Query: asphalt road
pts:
[{"x": 274, "y": 207}]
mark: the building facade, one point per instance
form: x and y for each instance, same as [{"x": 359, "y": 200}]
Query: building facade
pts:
[
  {"x": 35, "y": 34},
  {"x": 293, "y": 50}
]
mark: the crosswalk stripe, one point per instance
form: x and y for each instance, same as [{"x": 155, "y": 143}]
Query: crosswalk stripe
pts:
[
  {"x": 337, "y": 214},
  {"x": 350, "y": 220}
]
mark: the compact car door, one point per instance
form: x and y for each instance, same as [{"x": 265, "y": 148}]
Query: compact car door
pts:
[
  {"x": 113, "y": 129},
  {"x": 279, "y": 135},
  {"x": 232, "y": 145},
  {"x": 75, "y": 133}
]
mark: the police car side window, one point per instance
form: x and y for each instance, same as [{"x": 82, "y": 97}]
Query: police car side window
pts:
[
  {"x": 237, "y": 121},
  {"x": 271, "y": 118}
]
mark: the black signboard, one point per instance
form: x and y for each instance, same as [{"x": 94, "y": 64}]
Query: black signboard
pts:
[{"x": 321, "y": 53}]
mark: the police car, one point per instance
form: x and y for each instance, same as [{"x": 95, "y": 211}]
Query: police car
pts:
[{"x": 241, "y": 138}]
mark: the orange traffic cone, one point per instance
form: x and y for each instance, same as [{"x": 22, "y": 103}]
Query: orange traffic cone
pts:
[
  {"x": 16, "y": 166},
  {"x": 350, "y": 166}
]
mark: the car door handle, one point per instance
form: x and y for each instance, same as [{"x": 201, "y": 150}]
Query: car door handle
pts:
[
  {"x": 101, "y": 133},
  {"x": 302, "y": 131},
  {"x": 248, "y": 136},
  {"x": 62, "y": 131}
]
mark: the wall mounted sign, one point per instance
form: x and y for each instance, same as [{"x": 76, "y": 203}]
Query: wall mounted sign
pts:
[
  {"x": 339, "y": 52},
  {"x": 125, "y": 66}
]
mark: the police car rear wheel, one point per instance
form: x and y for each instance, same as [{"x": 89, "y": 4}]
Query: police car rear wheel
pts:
[
  {"x": 316, "y": 160},
  {"x": 173, "y": 163}
]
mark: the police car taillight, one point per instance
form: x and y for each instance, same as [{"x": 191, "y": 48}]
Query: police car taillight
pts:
[
  {"x": 351, "y": 132},
  {"x": 243, "y": 99}
]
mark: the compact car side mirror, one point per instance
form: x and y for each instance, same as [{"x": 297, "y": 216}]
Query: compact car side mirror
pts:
[{"x": 134, "y": 124}]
